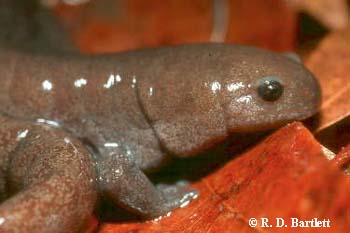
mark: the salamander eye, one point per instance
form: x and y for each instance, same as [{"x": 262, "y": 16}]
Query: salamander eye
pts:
[{"x": 270, "y": 88}]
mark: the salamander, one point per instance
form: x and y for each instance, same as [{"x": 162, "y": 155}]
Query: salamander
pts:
[{"x": 125, "y": 115}]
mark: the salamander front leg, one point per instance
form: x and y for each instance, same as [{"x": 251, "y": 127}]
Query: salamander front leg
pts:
[{"x": 126, "y": 185}]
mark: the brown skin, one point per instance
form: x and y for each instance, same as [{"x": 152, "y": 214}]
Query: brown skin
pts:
[
  {"x": 47, "y": 179},
  {"x": 133, "y": 108}
]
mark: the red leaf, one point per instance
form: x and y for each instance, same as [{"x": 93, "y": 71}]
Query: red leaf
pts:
[{"x": 330, "y": 62}]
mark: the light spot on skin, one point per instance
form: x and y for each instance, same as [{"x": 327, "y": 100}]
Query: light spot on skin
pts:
[
  {"x": 133, "y": 82},
  {"x": 66, "y": 140},
  {"x": 184, "y": 204},
  {"x": 161, "y": 217},
  {"x": 112, "y": 80},
  {"x": 118, "y": 78},
  {"x": 235, "y": 86},
  {"x": 48, "y": 122},
  {"x": 111, "y": 144},
  {"x": 128, "y": 152},
  {"x": 80, "y": 82},
  {"x": 118, "y": 172},
  {"x": 150, "y": 91},
  {"x": 246, "y": 99},
  {"x": 215, "y": 86},
  {"x": 157, "y": 219},
  {"x": 22, "y": 134},
  {"x": 2, "y": 220},
  {"x": 47, "y": 85},
  {"x": 186, "y": 199}
]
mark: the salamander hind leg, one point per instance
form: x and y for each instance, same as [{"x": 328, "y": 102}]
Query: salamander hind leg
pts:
[{"x": 50, "y": 181}]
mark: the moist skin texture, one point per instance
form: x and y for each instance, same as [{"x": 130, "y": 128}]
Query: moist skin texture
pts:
[{"x": 74, "y": 127}]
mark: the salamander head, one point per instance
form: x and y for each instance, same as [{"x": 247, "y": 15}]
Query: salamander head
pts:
[
  {"x": 275, "y": 90},
  {"x": 196, "y": 95}
]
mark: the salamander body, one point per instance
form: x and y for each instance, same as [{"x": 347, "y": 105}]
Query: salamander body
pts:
[{"x": 131, "y": 110}]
